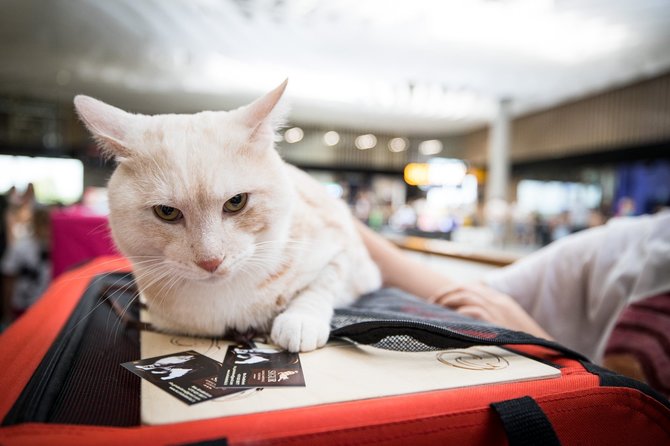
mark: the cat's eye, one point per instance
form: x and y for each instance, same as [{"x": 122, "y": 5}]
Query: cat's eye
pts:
[
  {"x": 167, "y": 213},
  {"x": 236, "y": 203}
]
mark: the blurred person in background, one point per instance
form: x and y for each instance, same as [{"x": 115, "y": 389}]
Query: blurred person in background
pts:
[
  {"x": 595, "y": 218},
  {"x": 403, "y": 218},
  {"x": 625, "y": 207},
  {"x": 561, "y": 226},
  {"x": 25, "y": 264},
  {"x": 363, "y": 205},
  {"x": 4, "y": 237}
]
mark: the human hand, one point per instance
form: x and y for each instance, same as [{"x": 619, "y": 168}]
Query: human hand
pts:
[{"x": 482, "y": 302}]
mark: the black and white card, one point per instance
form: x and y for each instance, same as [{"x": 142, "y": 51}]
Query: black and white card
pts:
[
  {"x": 260, "y": 367},
  {"x": 188, "y": 376}
]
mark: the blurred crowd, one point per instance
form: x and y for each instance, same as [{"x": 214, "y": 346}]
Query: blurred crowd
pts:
[
  {"x": 24, "y": 252},
  {"x": 499, "y": 225}
]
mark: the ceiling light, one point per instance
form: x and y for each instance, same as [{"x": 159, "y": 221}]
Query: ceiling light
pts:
[
  {"x": 365, "y": 142},
  {"x": 293, "y": 135},
  {"x": 437, "y": 172},
  {"x": 430, "y": 147},
  {"x": 397, "y": 145},
  {"x": 446, "y": 171},
  {"x": 416, "y": 174},
  {"x": 331, "y": 138}
]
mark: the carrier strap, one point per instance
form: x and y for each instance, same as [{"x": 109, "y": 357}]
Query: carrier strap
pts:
[{"x": 525, "y": 422}]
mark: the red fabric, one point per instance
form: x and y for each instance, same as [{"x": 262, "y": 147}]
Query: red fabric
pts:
[
  {"x": 26, "y": 341},
  {"x": 78, "y": 235},
  {"x": 580, "y": 411},
  {"x": 598, "y": 416},
  {"x": 608, "y": 416}
]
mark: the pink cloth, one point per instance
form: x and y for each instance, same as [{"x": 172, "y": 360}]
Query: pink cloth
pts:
[{"x": 78, "y": 235}]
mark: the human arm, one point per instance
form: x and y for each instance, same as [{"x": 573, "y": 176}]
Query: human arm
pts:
[
  {"x": 399, "y": 270},
  {"x": 475, "y": 300}
]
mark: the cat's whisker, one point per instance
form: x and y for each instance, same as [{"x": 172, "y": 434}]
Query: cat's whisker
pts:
[
  {"x": 281, "y": 242},
  {"x": 82, "y": 276},
  {"x": 150, "y": 271},
  {"x": 100, "y": 264},
  {"x": 173, "y": 279},
  {"x": 147, "y": 271},
  {"x": 160, "y": 276},
  {"x": 106, "y": 298},
  {"x": 155, "y": 274},
  {"x": 282, "y": 245},
  {"x": 282, "y": 250},
  {"x": 266, "y": 259},
  {"x": 134, "y": 259},
  {"x": 161, "y": 300},
  {"x": 86, "y": 316},
  {"x": 120, "y": 317},
  {"x": 172, "y": 283},
  {"x": 167, "y": 273},
  {"x": 155, "y": 269}
]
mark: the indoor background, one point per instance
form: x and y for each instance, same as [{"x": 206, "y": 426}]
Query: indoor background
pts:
[{"x": 496, "y": 124}]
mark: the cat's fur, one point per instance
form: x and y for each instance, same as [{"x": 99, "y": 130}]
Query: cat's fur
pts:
[{"x": 288, "y": 258}]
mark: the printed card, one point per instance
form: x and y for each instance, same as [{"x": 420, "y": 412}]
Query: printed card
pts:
[
  {"x": 260, "y": 367},
  {"x": 188, "y": 376}
]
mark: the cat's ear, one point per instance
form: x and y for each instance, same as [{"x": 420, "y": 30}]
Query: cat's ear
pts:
[
  {"x": 266, "y": 114},
  {"x": 109, "y": 125},
  {"x": 29, "y": 195}
]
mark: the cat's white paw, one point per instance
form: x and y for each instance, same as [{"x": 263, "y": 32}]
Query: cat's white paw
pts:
[{"x": 299, "y": 332}]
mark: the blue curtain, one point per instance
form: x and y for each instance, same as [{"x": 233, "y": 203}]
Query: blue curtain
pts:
[{"x": 647, "y": 183}]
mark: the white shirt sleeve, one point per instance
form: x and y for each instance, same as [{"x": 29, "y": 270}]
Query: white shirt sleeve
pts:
[{"x": 576, "y": 288}]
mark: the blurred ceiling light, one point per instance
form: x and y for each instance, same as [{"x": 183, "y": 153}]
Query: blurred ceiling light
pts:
[
  {"x": 438, "y": 172},
  {"x": 293, "y": 135},
  {"x": 426, "y": 98},
  {"x": 430, "y": 147},
  {"x": 331, "y": 138},
  {"x": 416, "y": 174},
  {"x": 365, "y": 142},
  {"x": 530, "y": 27},
  {"x": 397, "y": 145},
  {"x": 446, "y": 171}
]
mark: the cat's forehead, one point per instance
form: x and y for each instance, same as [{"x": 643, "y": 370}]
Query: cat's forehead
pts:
[
  {"x": 206, "y": 186},
  {"x": 198, "y": 158},
  {"x": 178, "y": 132}
]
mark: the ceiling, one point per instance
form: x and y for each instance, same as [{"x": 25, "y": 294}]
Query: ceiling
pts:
[{"x": 406, "y": 66}]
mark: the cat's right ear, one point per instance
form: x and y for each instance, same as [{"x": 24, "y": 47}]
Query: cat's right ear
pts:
[
  {"x": 107, "y": 124},
  {"x": 265, "y": 115}
]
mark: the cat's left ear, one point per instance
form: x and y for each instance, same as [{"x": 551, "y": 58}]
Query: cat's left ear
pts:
[
  {"x": 109, "y": 125},
  {"x": 265, "y": 115}
]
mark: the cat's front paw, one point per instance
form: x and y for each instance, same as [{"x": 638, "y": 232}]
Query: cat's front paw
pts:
[{"x": 299, "y": 332}]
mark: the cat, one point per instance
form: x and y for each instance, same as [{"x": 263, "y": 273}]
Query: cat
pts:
[{"x": 221, "y": 232}]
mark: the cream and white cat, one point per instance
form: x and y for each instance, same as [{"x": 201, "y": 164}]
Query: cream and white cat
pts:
[{"x": 222, "y": 233}]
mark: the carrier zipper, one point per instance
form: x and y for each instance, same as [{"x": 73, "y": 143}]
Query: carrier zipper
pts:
[{"x": 433, "y": 335}]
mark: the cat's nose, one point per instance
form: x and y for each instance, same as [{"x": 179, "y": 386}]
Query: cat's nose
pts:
[{"x": 209, "y": 265}]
